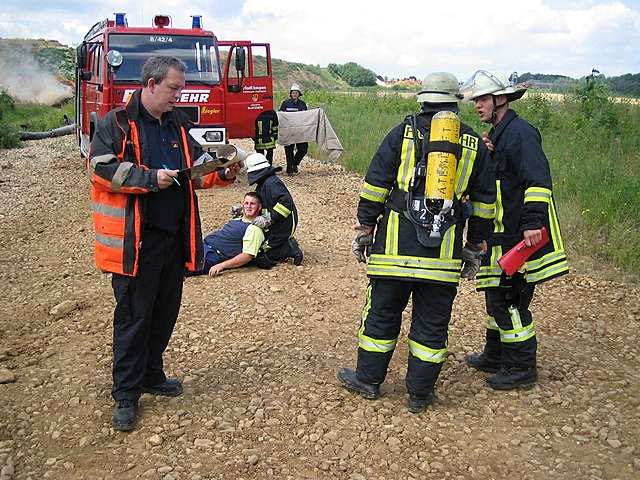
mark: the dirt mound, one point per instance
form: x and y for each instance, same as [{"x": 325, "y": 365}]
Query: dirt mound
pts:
[{"x": 258, "y": 352}]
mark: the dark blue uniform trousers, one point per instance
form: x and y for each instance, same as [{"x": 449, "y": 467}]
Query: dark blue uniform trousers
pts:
[{"x": 146, "y": 310}]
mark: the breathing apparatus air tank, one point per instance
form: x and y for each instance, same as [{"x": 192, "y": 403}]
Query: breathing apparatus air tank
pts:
[{"x": 441, "y": 163}]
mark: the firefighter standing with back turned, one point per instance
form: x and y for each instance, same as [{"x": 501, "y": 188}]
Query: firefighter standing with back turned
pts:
[
  {"x": 524, "y": 205},
  {"x": 419, "y": 189},
  {"x": 147, "y": 227}
]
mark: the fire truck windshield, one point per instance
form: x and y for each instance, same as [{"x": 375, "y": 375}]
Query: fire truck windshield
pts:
[{"x": 198, "y": 53}]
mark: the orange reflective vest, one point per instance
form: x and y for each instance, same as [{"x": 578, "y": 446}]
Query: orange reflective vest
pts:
[{"x": 121, "y": 178}]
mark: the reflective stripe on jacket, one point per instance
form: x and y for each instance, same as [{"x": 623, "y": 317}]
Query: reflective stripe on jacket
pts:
[
  {"x": 120, "y": 177},
  {"x": 396, "y": 252},
  {"x": 524, "y": 201}
]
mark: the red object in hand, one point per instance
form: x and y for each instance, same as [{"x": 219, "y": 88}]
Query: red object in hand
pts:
[{"x": 511, "y": 261}]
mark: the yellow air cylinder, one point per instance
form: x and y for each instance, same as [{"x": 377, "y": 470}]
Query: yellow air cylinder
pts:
[{"x": 441, "y": 166}]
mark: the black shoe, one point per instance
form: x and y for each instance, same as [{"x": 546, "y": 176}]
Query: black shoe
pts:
[
  {"x": 295, "y": 169},
  {"x": 418, "y": 403},
  {"x": 124, "y": 415},
  {"x": 290, "y": 173},
  {"x": 347, "y": 376},
  {"x": 297, "y": 253},
  {"x": 481, "y": 362},
  {"x": 512, "y": 378},
  {"x": 171, "y": 387}
]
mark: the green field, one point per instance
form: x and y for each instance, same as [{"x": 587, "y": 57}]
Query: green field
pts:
[{"x": 593, "y": 146}]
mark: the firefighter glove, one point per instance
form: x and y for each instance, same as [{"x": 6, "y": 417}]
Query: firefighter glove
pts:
[
  {"x": 360, "y": 245},
  {"x": 235, "y": 211},
  {"x": 263, "y": 221},
  {"x": 471, "y": 258}
]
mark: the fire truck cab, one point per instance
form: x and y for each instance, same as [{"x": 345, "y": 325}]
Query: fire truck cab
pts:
[{"x": 228, "y": 82}]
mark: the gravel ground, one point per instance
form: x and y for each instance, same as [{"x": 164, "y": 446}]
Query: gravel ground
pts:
[{"x": 258, "y": 352}]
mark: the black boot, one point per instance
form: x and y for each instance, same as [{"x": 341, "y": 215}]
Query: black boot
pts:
[
  {"x": 418, "y": 403},
  {"x": 124, "y": 415},
  {"x": 349, "y": 380},
  {"x": 482, "y": 362},
  {"x": 296, "y": 252},
  {"x": 171, "y": 387},
  {"x": 510, "y": 378}
]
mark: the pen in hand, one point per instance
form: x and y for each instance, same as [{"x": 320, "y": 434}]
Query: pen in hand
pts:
[{"x": 175, "y": 180}]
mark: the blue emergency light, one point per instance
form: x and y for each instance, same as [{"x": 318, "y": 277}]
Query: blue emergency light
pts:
[
  {"x": 196, "y": 21},
  {"x": 121, "y": 20}
]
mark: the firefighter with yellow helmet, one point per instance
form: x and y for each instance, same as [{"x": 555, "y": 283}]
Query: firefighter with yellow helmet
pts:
[
  {"x": 524, "y": 205},
  {"x": 430, "y": 174}
]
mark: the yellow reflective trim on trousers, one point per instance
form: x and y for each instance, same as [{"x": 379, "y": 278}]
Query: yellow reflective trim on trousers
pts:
[
  {"x": 405, "y": 171},
  {"x": 518, "y": 334},
  {"x": 547, "y": 272},
  {"x": 368, "y": 343},
  {"x": 393, "y": 225},
  {"x": 498, "y": 225},
  {"x": 282, "y": 210},
  {"x": 516, "y": 321},
  {"x": 375, "y": 344},
  {"x": 373, "y": 193},
  {"x": 416, "y": 262},
  {"x": 366, "y": 309},
  {"x": 427, "y": 354},
  {"x": 491, "y": 324},
  {"x": 418, "y": 273},
  {"x": 465, "y": 167},
  {"x": 448, "y": 241},
  {"x": 484, "y": 210}
]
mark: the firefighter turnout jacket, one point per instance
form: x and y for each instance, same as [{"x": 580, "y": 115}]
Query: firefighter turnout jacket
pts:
[
  {"x": 277, "y": 199},
  {"x": 121, "y": 177},
  {"x": 524, "y": 201},
  {"x": 396, "y": 252},
  {"x": 266, "y": 130}
]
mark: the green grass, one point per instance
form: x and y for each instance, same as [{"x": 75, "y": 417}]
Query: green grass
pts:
[
  {"x": 593, "y": 146},
  {"x": 17, "y": 117}
]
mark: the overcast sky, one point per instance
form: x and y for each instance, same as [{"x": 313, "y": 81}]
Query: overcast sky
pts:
[{"x": 392, "y": 38}]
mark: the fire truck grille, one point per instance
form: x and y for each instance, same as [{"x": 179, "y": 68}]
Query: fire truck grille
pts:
[{"x": 192, "y": 112}]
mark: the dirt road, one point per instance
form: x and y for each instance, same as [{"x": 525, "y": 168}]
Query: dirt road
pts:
[{"x": 258, "y": 351}]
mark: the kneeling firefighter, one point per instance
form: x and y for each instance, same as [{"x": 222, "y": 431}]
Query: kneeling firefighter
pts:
[
  {"x": 429, "y": 175},
  {"x": 279, "y": 216}
]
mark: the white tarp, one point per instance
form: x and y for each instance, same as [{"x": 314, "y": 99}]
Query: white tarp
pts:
[{"x": 309, "y": 126}]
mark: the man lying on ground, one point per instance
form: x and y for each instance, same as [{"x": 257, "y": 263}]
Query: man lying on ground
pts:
[{"x": 236, "y": 243}]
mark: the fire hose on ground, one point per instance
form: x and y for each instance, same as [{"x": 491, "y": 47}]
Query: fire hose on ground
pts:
[{"x": 56, "y": 132}]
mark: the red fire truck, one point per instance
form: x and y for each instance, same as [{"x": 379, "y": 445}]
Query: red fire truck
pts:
[{"x": 228, "y": 82}]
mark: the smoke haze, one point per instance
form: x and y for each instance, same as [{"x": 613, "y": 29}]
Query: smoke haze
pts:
[{"x": 22, "y": 77}]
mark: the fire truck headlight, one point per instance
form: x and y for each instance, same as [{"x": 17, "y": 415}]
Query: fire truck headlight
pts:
[
  {"x": 114, "y": 58},
  {"x": 213, "y": 136}
]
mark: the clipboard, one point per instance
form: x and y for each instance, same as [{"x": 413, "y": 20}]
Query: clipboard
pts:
[{"x": 225, "y": 156}]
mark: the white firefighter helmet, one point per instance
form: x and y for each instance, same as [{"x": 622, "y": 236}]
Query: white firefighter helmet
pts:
[
  {"x": 486, "y": 83},
  {"x": 439, "y": 87},
  {"x": 296, "y": 87},
  {"x": 255, "y": 162}
]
